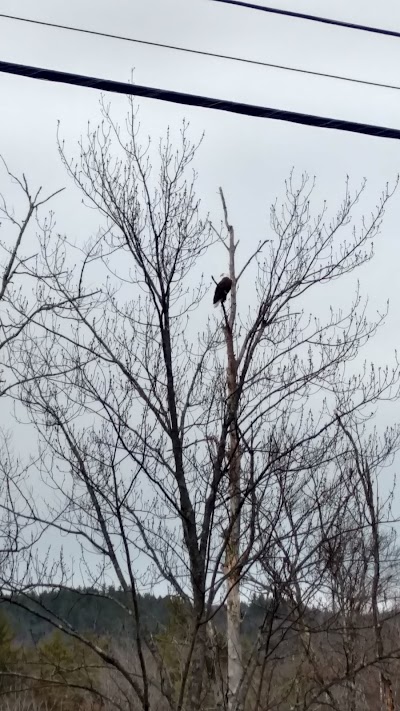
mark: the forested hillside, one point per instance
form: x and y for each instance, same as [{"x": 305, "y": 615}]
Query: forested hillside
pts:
[{"x": 97, "y": 613}]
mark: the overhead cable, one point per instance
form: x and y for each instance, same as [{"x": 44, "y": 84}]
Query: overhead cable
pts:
[
  {"x": 313, "y": 18},
  {"x": 204, "y": 53},
  {"x": 177, "y": 97}
]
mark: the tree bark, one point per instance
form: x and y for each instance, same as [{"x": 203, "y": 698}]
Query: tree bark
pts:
[{"x": 232, "y": 567}]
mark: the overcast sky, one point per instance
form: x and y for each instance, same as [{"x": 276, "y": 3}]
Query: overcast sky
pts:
[{"x": 249, "y": 157}]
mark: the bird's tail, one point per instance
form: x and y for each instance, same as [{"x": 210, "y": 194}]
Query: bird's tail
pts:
[{"x": 217, "y": 303}]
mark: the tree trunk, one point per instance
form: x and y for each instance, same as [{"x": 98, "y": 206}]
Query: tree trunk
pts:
[
  {"x": 232, "y": 567},
  {"x": 235, "y": 667},
  {"x": 195, "y": 685}
]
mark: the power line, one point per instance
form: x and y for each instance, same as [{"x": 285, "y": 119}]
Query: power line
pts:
[
  {"x": 177, "y": 97},
  {"x": 203, "y": 53},
  {"x": 313, "y": 18}
]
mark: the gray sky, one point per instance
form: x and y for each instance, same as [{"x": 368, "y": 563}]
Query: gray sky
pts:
[{"x": 249, "y": 157}]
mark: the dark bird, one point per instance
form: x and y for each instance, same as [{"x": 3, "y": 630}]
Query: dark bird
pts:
[{"x": 222, "y": 290}]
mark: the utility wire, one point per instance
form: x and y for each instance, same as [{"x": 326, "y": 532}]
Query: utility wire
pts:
[
  {"x": 313, "y": 18},
  {"x": 177, "y": 97},
  {"x": 200, "y": 52}
]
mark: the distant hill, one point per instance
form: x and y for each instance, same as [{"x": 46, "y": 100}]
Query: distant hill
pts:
[{"x": 103, "y": 613}]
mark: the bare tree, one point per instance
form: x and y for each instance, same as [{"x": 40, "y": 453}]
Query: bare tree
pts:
[
  {"x": 21, "y": 285},
  {"x": 335, "y": 573},
  {"x": 21, "y": 273},
  {"x": 189, "y": 441},
  {"x": 378, "y": 548}
]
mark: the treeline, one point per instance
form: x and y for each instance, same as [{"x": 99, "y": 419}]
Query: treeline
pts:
[
  {"x": 43, "y": 669},
  {"x": 105, "y": 612},
  {"x": 54, "y": 672}
]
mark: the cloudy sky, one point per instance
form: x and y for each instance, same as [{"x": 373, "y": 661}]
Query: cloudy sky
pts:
[{"x": 249, "y": 157}]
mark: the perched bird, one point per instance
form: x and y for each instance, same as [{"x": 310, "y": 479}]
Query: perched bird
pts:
[{"x": 222, "y": 290}]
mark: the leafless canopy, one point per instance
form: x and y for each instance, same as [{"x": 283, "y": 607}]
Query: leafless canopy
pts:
[{"x": 218, "y": 455}]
